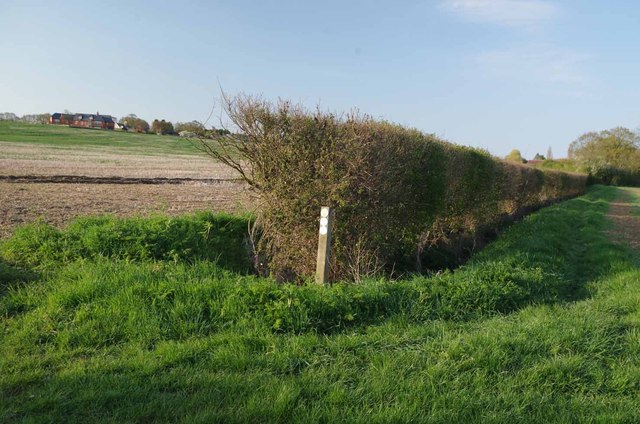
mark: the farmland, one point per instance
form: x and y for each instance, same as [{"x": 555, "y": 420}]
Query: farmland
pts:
[
  {"x": 104, "y": 160},
  {"x": 134, "y": 318}
]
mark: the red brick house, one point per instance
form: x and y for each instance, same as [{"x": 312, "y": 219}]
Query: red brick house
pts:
[
  {"x": 61, "y": 118},
  {"x": 84, "y": 120}
]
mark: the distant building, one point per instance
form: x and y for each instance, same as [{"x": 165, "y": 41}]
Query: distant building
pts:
[
  {"x": 61, "y": 119},
  {"x": 84, "y": 120}
]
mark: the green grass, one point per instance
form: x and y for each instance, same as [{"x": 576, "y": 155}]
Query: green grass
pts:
[
  {"x": 64, "y": 137},
  {"x": 201, "y": 236},
  {"x": 566, "y": 165},
  {"x": 542, "y": 326}
]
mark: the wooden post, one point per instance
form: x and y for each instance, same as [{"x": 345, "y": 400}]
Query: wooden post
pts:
[{"x": 324, "y": 245}]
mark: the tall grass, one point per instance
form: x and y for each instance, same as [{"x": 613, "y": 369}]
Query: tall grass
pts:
[{"x": 203, "y": 235}]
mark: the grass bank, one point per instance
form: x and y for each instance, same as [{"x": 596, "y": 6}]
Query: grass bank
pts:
[{"x": 543, "y": 325}]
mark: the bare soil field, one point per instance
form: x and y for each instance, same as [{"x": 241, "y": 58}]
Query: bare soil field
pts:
[
  {"x": 17, "y": 159},
  {"x": 58, "y": 203},
  {"x": 57, "y": 184}
]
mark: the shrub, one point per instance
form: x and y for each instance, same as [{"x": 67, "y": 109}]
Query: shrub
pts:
[{"x": 398, "y": 193}]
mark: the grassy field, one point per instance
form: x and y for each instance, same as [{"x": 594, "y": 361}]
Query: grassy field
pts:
[
  {"x": 119, "y": 321},
  {"x": 64, "y": 137}
]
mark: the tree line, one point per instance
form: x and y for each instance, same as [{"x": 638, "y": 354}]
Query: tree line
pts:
[
  {"x": 164, "y": 127},
  {"x": 608, "y": 157}
]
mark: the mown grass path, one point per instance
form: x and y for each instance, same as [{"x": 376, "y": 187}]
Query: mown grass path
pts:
[
  {"x": 125, "y": 341},
  {"x": 624, "y": 212}
]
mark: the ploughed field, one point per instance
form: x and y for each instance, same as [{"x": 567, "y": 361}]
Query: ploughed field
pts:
[{"x": 58, "y": 173}]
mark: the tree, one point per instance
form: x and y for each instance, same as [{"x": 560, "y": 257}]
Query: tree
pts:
[
  {"x": 611, "y": 156},
  {"x": 162, "y": 127},
  {"x": 549, "y": 153},
  {"x": 195, "y": 127},
  {"x": 137, "y": 124},
  {"x": 515, "y": 156}
]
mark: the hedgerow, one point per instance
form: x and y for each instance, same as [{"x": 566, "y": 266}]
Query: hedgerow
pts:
[{"x": 401, "y": 196}]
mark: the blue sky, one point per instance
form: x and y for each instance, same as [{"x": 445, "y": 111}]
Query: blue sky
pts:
[{"x": 496, "y": 74}]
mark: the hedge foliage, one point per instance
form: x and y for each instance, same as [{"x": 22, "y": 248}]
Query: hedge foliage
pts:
[{"x": 401, "y": 196}]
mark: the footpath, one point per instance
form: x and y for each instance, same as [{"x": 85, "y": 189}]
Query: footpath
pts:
[{"x": 624, "y": 214}]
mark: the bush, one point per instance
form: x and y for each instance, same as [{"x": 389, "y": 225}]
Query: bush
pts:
[{"x": 399, "y": 194}]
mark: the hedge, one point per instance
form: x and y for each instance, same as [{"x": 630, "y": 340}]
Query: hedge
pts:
[{"x": 402, "y": 197}]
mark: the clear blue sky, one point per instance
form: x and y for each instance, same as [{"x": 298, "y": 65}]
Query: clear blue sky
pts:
[{"x": 497, "y": 74}]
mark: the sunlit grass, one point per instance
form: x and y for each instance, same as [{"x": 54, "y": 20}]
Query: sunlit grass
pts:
[
  {"x": 104, "y": 140},
  {"x": 541, "y": 326}
]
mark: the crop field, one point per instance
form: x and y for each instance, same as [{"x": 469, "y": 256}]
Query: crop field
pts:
[{"x": 118, "y": 173}]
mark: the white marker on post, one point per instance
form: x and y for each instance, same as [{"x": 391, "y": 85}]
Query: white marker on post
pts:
[{"x": 324, "y": 245}]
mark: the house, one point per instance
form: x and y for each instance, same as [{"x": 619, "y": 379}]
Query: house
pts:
[
  {"x": 60, "y": 118},
  {"x": 84, "y": 120}
]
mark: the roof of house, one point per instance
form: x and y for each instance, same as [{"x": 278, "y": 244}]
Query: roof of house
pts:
[
  {"x": 84, "y": 117},
  {"x": 92, "y": 117}
]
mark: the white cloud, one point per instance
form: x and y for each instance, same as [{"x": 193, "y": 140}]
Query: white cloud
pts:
[
  {"x": 503, "y": 12},
  {"x": 538, "y": 63}
]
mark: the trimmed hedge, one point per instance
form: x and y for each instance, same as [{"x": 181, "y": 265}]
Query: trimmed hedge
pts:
[{"x": 401, "y": 196}]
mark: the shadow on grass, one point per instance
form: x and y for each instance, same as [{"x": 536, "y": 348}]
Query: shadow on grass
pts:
[{"x": 11, "y": 275}]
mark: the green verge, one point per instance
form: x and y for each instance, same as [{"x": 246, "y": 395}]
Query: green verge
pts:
[
  {"x": 106, "y": 339},
  {"x": 75, "y": 139}
]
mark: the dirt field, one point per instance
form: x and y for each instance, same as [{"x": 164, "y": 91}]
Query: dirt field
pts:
[
  {"x": 58, "y": 184},
  {"x": 58, "y": 203},
  {"x": 18, "y": 159}
]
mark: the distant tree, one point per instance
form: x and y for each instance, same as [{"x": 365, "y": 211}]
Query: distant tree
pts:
[
  {"x": 8, "y": 116},
  {"x": 135, "y": 123},
  {"x": 41, "y": 118},
  {"x": 162, "y": 127},
  {"x": 195, "y": 127},
  {"x": 538, "y": 156},
  {"x": 549, "y": 153},
  {"x": 611, "y": 156},
  {"x": 515, "y": 156},
  {"x": 222, "y": 131}
]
